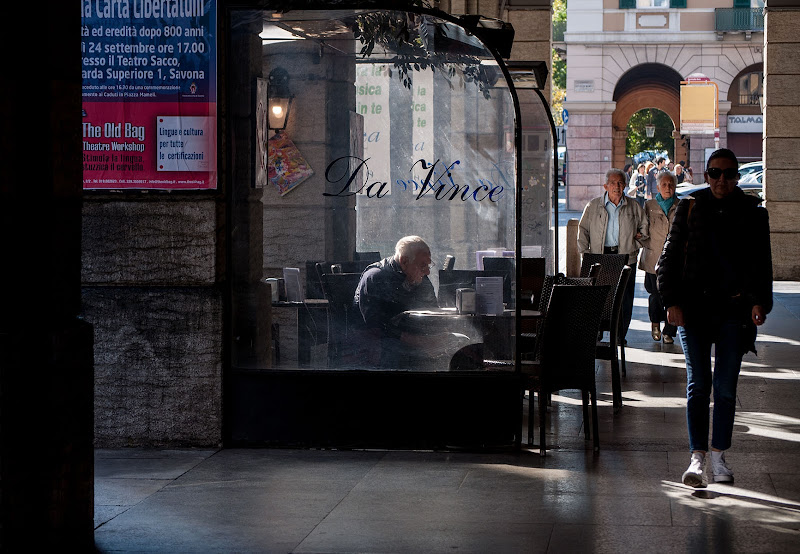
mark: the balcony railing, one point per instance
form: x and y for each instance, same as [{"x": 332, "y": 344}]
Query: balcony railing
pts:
[
  {"x": 558, "y": 30},
  {"x": 738, "y": 19}
]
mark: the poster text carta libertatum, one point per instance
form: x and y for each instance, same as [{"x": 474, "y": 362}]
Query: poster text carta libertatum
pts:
[{"x": 141, "y": 9}]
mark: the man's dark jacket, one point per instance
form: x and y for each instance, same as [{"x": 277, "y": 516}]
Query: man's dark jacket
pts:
[{"x": 381, "y": 295}]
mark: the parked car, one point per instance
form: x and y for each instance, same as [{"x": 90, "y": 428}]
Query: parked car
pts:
[
  {"x": 752, "y": 177},
  {"x": 749, "y": 168},
  {"x": 755, "y": 188}
]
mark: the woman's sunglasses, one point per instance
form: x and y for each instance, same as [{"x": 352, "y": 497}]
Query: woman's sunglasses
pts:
[{"x": 730, "y": 173}]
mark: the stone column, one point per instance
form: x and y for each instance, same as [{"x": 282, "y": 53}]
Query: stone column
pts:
[
  {"x": 781, "y": 134},
  {"x": 589, "y": 145},
  {"x": 620, "y": 137}
]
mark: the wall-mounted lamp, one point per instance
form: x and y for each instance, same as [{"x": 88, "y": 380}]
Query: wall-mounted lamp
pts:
[{"x": 279, "y": 99}]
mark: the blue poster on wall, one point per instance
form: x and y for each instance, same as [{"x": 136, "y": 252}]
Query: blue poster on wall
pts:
[{"x": 149, "y": 94}]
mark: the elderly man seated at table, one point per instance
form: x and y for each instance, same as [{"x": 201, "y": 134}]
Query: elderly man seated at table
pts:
[{"x": 389, "y": 288}]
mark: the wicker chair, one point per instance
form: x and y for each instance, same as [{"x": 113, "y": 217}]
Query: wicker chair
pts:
[
  {"x": 348, "y": 343},
  {"x": 610, "y": 269},
  {"x": 566, "y": 353},
  {"x": 608, "y": 350},
  {"x": 528, "y": 339}
]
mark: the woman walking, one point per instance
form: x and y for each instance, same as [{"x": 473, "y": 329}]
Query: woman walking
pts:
[
  {"x": 660, "y": 213},
  {"x": 715, "y": 277}
]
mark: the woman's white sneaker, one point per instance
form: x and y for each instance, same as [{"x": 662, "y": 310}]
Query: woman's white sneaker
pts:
[
  {"x": 722, "y": 472},
  {"x": 693, "y": 477}
]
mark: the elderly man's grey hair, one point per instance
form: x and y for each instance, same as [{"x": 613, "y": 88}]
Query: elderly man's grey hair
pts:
[
  {"x": 614, "y": 171},
  {"x": 668, "y": 175},
  {"x": 408, "y": 247}
]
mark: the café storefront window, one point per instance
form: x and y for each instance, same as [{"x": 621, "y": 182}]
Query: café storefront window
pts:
[
  {"x": 350, "y": 130},
  {"x": 371, "y": 126}
]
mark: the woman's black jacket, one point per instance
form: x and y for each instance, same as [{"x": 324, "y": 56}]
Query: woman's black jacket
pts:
[{"x": 717, "y": 261}]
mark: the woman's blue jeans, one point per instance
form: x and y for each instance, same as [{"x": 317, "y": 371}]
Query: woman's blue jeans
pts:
[{"x": 696, "y": 341}]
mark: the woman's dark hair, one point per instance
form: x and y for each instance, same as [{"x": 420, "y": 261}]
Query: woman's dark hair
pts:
[{"x": 725, "y": 154}]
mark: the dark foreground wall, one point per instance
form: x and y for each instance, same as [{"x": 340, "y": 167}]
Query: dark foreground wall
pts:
[{"x": 46, "y": 455}]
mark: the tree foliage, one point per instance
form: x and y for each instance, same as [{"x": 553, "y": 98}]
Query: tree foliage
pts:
[
  {"x": 558, "y": 73},
  {"x": 559, "y": 10},
  {"x": 404, "y": 34},
  {"x": 637, "y": 136}
]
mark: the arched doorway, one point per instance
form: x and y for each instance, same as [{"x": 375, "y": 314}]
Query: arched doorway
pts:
[{"x": 648, "y": 85}]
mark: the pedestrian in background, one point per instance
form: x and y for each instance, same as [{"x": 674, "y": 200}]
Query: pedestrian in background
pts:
[
  {"x": 680, "y": 174},
  {"x": 614, "y": 224},
  {"x": 660, "y": 212},
  {"x": 649, "y": 167},
  {"x": 628, "y": 170},
  {"x": 638, "y": 184},
  {"x": 715, "y": 278},
  {"x": 688, "y": 176},
  {"x": 652, "y": 173}
]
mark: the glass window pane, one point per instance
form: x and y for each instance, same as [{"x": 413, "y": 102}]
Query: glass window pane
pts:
[
  {"x": 751, "y": 88},
  {"x": 399, "y": 124}
]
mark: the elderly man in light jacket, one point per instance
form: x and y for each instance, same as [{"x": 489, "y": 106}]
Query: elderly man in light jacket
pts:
[{"x": 614, "y": 224}]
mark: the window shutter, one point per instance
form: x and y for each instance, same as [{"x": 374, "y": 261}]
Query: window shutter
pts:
[
  {"x": 741, "y": 3},
  {"x": 678, "y": 3},
  {"x": 627, "y": 4}
]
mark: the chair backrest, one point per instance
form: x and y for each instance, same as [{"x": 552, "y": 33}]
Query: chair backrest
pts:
[
  {"x": 560, "y": 279},
  {"x": 369, "y": 257},
  {"x": 345, "y": 324},
  {"x": 449, "y": 263},
  {"x": 616, "y": 308},
  {"x": 344, "y": 314},
  {"x": 340, "y": 291},
  {"x": 610, "y": 267},
  {"x": 594, "y": 272},
  {"x": 566, "y": 349},
  {"x": 531, "y": 281},
  {"x": 315, "y": 271}
]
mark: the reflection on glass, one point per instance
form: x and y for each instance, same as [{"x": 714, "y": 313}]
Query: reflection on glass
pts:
[{"x": 407, "y": 133}]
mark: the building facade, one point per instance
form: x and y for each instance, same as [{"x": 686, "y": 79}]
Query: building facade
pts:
[{"x": 624, "y": 57}]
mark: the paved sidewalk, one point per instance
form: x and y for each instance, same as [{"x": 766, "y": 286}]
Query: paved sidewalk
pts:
[{"x": 628, "y": 498}]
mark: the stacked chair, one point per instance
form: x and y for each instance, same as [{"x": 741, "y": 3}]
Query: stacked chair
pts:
[{"x": 612, "y": 274}]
